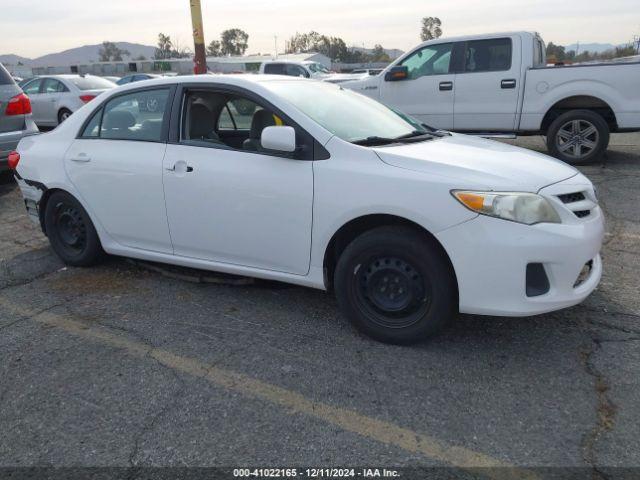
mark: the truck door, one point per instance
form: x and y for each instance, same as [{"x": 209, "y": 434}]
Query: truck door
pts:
[
  {"x": 487, "y": 85},
  {"x": 428, "y": 91}
]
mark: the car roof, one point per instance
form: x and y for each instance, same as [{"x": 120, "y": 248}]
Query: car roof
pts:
[{"x": 479, "y": 36}]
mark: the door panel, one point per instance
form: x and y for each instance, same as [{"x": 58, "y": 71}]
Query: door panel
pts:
[
  {"x": 121, "y": 182},
  {"x": 241, "y": 208},
  {"x": 32, "y": 89},
  {"x": 486, "y": 97},
  {"x": 428, "y": 93}
]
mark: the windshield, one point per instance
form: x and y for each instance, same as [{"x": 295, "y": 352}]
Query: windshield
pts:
[
  {"x": 92, "y": 83},
  {"x": 346, "y": 114},
  {"x": 318, "y": 68}
]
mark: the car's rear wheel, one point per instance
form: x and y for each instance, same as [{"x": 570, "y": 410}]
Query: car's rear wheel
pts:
[
  {"x": 578, "y": 137},
  {"x": 71, "y": 232},
  {"x": 63, "y": 114},
  {"x": 395, "y": 285}
]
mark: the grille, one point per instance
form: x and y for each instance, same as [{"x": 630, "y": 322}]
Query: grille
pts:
[{"x": 571, "y": 197}]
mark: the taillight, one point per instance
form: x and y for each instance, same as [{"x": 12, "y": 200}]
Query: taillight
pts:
[
  {"x": 87, "y": 98},
  {"x": 12, "y": 161},
  {"x": 19, "y": 105}
]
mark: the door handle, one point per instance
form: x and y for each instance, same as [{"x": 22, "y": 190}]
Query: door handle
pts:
[
  {"x": 81, "y": 158},
  {"x": 189, "y": 169},
  {"x": 508, "y": 83},
  {"x": 445, "y": 86}
]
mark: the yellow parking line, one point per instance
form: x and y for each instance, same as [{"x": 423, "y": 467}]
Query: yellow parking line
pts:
[{"x": 348, "y": 420}]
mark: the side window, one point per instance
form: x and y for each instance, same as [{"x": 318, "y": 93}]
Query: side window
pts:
[
  {"x": 295, "y": 71},
  {"x": 274, "y": 69},
  {"x": 224, "y": 120},
  {"x": 52, "y": 85},
  {"x": 136, "y": 116},
  {"x": 32, "y": 87},
  {"x": 491, "y": 55},
  {"x": 430, "y": 60},
  {"x": 92, "y": 129}
]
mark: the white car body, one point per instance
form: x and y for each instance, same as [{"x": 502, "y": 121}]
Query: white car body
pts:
[
  {"x": 520, "y": 96},
  {"x": 270, "y": 217},
  {"x": 295, "y": 68},
  {"x": 54, "y": 97}
]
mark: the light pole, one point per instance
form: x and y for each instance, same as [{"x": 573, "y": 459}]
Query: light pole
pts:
[{"x": 200, "y": 59}]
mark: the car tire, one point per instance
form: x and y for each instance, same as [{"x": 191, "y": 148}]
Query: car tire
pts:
[
  {"x": 578, "y": 137},
  {"x": 63, "y": 114},
  {"x": 396, "y": 285},
  {"x": 71, "y": 232}
]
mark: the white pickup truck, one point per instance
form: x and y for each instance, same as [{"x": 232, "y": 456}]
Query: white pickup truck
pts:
[{"x": 500, "y": 84}]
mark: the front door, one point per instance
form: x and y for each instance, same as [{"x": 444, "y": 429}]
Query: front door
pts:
[
  {"x": 116, "y": 165},
  {"x": 428, "y": 92},
  {"x": 488, "y": 87},
  {"x": 227, "y": 199}
]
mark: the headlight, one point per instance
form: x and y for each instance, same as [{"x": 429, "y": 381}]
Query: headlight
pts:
[{"x": 519, "y": 207}]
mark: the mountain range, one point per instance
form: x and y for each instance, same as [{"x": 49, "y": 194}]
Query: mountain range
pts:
[{"x": 84, "y": 54}]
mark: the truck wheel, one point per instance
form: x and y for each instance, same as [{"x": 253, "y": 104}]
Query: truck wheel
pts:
[
  {"x": 578, "y": 137},
  {"x": 395, "y": 285},
  {"x": 71, "y": 232}
]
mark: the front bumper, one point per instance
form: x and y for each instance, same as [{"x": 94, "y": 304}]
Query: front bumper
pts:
[{"x": 490, "y": 258}]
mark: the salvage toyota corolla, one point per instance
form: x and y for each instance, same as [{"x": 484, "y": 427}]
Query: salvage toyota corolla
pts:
[{"x": 304, "y": 182}]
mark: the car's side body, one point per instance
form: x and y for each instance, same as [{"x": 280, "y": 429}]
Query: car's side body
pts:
[{"x": 287, "y": 218}]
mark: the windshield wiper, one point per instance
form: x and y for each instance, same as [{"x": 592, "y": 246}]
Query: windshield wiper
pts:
[
  {"x": 415, "y": 136},
  {"x": 375, "y": 140}
]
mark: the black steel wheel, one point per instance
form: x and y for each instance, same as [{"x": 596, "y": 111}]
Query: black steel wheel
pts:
[
  {"x": 70, "y": 230},
  {"x": 396, "y": 285}
]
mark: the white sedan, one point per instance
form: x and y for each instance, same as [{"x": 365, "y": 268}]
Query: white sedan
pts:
[
  {"x": 316, "y": 186},
  {"x": 54, "y": 98}
]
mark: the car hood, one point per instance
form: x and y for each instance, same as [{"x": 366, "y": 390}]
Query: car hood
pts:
[{"x": 478, "y": 163}]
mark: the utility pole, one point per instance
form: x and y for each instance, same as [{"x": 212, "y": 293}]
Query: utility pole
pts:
[
  {"x": 200, "y": 58},
  {"x": 275, "y": 42}
]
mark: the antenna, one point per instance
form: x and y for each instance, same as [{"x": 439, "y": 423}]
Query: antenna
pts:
[{"x": 275, "y": 42}]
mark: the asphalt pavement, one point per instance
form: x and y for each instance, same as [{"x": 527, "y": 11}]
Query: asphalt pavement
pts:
[{"x": 122, "y": 365}]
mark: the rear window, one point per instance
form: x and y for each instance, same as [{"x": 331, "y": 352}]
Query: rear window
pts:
[
  {"x": 91, "y": 83},
  {"x": 5, "y": 77},
  {"x": 274, "y": 68},
  {"x": 491, "y": 55}
]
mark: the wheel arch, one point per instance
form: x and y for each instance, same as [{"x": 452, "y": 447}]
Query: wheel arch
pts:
[
  {"x": 580, "y": 102},
  {"x": 359, "y": 225}
]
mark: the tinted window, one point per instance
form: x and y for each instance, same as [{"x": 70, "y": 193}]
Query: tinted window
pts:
[
  {"x": 5, "y": 77},
  {"x": 429, "y": 60},
  {"x": 491, "y": 55},
  {"x": 32, "y": 87},
  {"x": 91, "y": 83},
  {"x": 274, "y": 68},
  {"x": 92, "y": 130},
  {"x": 124, "y": 80},
  {"x": 136, "y": 116},
  {"x": 52, "y": 85},
  {"x": 295, "y": 71}
]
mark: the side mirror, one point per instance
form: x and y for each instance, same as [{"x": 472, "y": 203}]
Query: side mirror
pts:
[
  {"x": 396, "y": 74},
  {"x": 281, "y": 139}
]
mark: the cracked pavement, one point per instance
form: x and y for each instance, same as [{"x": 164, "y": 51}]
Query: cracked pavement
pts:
[{"x": 88, "y": 387}]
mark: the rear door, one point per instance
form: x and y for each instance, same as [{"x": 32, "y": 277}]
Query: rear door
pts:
[
  {"x": 428, "y": 93},
  {"x": 486, "y": 97},
  {"x": 116, "y": 165},
  {"x": 51, "y": 91}
]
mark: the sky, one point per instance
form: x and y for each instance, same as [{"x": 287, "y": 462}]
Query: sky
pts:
[{"x": 36, "y": 27}]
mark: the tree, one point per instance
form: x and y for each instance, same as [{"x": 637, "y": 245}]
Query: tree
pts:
[
  {"x": 233, "y": 42},
  {"x": 213, "y": 50},
  {"x": 430, "y": 28},
  {"x": 555, "y": 53},
  {"x": 109, "y": 52},
  {"x": 165, "y": 47},
  {"x": 379, "y": 55}
]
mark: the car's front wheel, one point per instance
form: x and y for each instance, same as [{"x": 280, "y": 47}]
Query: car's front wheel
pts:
[
  {"x": 578, "y": 137},
  {"x": 71, "y": 232},
  {"x": 396, "y": 285}
]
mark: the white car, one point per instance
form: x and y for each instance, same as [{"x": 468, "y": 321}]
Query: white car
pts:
[
  {"x": 295, "y": 68},
  {"x": 321, "y": 187},
  {"x": 54, "y": 98}
]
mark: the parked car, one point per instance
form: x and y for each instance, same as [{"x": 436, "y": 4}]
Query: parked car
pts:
[
  {"x": 15, "y": 116},
  {"x": 368, "y": 71},
  {"x": 55, "y": 97},
  {"x": 294, "y": 68},
  {"x": 136, "y": 78},
  {"x": 500, "y": 84},
  {"x": 112, "y": 79},
  {"x": 320, "y": 187}
]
